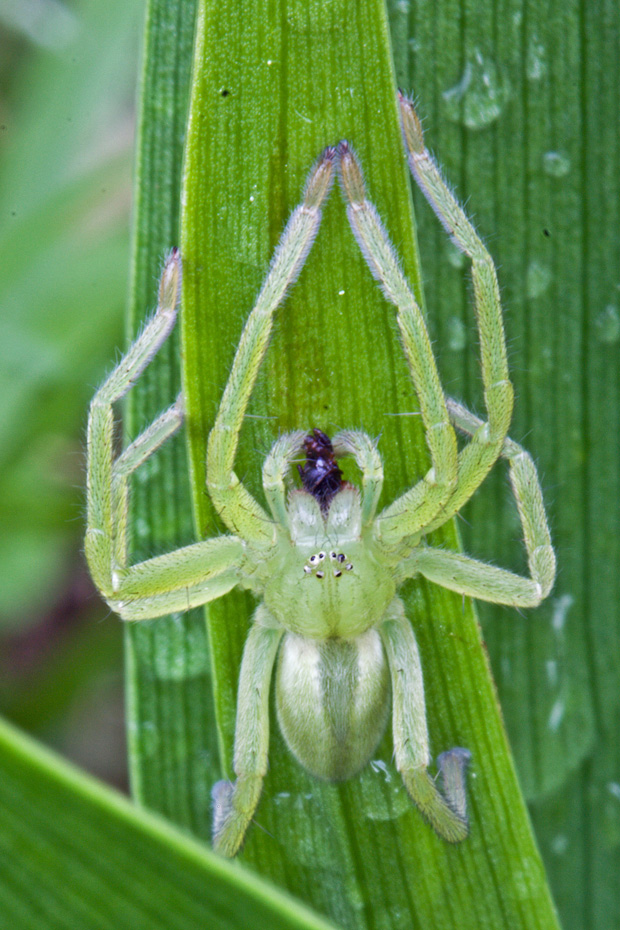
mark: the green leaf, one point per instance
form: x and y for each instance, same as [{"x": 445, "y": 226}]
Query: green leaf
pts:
[
  {"x": 74, "y": 854},
  {"x": 170, "y": 714},
  {"x": 542, "y": 178},
  {"x": 269, "y": 92}
]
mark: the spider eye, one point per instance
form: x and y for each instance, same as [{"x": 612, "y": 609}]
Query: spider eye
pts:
[
  {"x": 321, "y": 556},
  {"x": 313, "y": 559},
  {"x": 333, "y": 556},
  {"x": 320, "y": 574}
]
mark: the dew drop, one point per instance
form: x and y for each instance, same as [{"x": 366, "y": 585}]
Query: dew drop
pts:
[
  {"x": 556, "y": 716},
  {"x": 552, "y": 671},
  {"x": 611, "y": 808},
  {"x": 614, "y": 789},
  {"x": 559, "y": 844},
  {"x": 555, "y": 164},
  {"x": 535, "y": 60},
  {"x": 456, "y": 334},
  {"x": 145, "y": 737},
  {"x": 383, "y": 795},
  {"x": 180, "y": 652},
  {"x": 456, "y": 258},
  {"x": 538, "y": 279},
  {"x": 141, "y": 528},
  {"x": 607, "y": 325},
  {"x": 561, "y": 606},
  {"x": 481, "y": 94}
]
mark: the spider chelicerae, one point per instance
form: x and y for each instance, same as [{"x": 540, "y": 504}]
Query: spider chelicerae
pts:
[{"x": 323, "y": 564}]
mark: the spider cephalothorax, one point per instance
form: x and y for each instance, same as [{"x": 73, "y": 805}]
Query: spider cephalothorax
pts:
[{"x": 324, "y": 565}]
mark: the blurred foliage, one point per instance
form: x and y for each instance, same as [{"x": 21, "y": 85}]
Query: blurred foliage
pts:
[{"x": 67, "y": 87}]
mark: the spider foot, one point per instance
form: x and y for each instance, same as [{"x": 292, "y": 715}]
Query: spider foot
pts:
[
  {"x": 233, "y": 807},
  {"x": 446, "y": 813}
]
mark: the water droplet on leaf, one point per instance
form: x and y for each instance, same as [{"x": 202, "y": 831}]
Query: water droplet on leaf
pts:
[
  {"x": 481, "y": 94},
  {"x": 456, "y": 334},
  {"x": 608, "y": 325},
  {"x": 535, "y": 60},
  {"x": 556, "y": 164},
  {"x": 538, "y": 279}
]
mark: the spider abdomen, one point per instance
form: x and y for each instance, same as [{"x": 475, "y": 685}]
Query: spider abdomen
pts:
[{"x": 332, "y": 698}]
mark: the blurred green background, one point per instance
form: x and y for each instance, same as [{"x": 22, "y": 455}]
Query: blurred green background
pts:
[{"x": 67, "y": 104}]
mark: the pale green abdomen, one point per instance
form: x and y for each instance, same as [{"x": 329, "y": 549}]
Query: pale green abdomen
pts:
[{"x": 332, "y": 699}]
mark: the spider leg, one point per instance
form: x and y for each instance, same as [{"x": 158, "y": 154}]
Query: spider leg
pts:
[
  {"x": 420, "y": 504},
  {"x": 241, "y": 513},
  {"x": 477, "y": 458},
  {"x": 106, "y": 536},
  {"x": 368, "y": 460},
  {"x": 486, "y": 582},
  {"x": 446, "y": 814},
  {"x": 175, "y": 581},
  {"x": 275, "y": 470},
  {"x": 234, "y": 805}
]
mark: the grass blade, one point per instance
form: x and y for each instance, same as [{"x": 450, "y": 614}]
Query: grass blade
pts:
[
  {"x": 127, "y": 868},
  {"x": 270, "y": 91}
]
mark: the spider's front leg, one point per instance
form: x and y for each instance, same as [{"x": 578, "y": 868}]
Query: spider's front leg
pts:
[
  {"x": 241, "y": 513},
  {"x": 478, "y": 457},
  {"x": 421, "y": 504},
  {"x": 447, "y": 813},
  {"x": 175, "y": 581}
]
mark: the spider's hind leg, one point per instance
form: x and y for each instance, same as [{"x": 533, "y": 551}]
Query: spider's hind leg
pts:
[
  {"x": 234, "y": 805},
  {"x": 447, "y": 813}
]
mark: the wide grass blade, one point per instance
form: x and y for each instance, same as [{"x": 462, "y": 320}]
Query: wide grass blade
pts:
[
  {"x": 522, "y": 108},
  {"x": 271, "y": 88},
  {"x": 74, "y": 854}
]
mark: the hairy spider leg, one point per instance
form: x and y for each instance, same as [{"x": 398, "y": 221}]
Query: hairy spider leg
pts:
[
  {"x": 275, "y": 469},
  {"x": 235, "y": 805},
  {"x": 421, "y": 503},
  {"x": 447, "y": 815},
  {"x": 486, "y": 582},
  {"x": 368, "y": 460},
  {"x": 239, "y": 510},
  {"x": 478, "y": 457},
  {"x": 177, "y": 580}
]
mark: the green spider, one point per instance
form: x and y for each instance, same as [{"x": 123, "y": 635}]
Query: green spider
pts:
[{"x": 323, "y": 564}]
